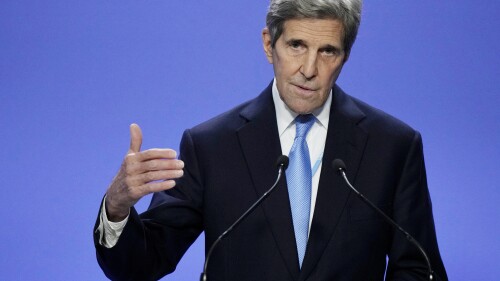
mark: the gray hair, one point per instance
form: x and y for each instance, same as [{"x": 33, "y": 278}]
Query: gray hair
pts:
[{"x": 347, "y": 11}]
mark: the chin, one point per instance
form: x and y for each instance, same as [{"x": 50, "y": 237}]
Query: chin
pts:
[
  {"x": 301, "y": 106},
  {"x": 301, "y": 109}
]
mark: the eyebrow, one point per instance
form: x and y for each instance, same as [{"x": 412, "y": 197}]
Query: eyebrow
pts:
[
  {"x": 325, "y": 47},
  {"x": 330, "y": 47},
  {"x": 300, "y": 41}
]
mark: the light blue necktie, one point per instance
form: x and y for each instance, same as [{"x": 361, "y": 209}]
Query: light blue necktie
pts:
[{"x": 299, "y": 181}]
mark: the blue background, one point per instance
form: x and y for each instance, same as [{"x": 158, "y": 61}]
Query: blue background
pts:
[{"x": 75, "y": 74}]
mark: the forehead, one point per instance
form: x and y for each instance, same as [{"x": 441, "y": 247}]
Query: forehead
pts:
[{"x": 324, "y": 31}]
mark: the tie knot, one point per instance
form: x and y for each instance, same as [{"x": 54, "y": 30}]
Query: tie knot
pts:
[{"x": 303, "y": 124}]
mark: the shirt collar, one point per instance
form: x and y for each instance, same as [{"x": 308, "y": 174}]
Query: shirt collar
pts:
[{"x": 285, "y": 116}]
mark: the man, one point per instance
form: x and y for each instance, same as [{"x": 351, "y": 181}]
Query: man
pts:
[{"x": 312, "y": 230}]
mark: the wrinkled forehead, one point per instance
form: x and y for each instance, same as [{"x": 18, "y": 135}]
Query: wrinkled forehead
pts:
[
  {"x": 314, "y": 30},
  {"x": 323, "y": 24}
]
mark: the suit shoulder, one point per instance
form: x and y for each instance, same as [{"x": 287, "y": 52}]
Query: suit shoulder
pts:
[
  {"x": 380, "y": 123},
  {"x": 229, "y": 120},
  {"x": 261, "y": 106}
]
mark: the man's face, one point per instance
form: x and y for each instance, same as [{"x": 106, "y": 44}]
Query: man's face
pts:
[{"x": 307, "y": 59}]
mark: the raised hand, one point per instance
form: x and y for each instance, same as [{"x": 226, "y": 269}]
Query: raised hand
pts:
[{"x": 141, "y": 173}]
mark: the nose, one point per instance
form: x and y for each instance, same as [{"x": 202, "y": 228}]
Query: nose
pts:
[{"x": 309, "y": 68}]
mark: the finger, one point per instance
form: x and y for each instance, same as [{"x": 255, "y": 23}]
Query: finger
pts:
[
  {"x": 135, "y": 138},
  {"x": 150, "y": 177},
  {"x": 134, "y": 167},
  {"x": 157, "y": 186},
  {"x": 157, "y": 153},
  {"x": 134, "y": 181},
  {"x": 150, "y": 154},
  {"x": 162, "y": 164}
]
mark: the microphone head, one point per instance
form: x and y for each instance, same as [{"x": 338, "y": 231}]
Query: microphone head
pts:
[
  {"x": 338, "y": 165},
  {"x": 282, "y": 161}
]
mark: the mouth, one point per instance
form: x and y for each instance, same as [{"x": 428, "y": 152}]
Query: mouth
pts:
[{"x": 305, "y": 89}]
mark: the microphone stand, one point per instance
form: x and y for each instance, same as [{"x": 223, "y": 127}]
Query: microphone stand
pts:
[
  {"x": 283, "y": 164},
  {"x": 340, "y": 166}
]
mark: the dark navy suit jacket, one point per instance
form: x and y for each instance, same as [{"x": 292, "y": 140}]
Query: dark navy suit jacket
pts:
[{"x": 230, "y": 161}]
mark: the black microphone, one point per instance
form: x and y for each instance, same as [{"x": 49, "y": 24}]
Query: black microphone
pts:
[
  {"x": 282, "y": 164},
  {"x": 339, "y": 166}
]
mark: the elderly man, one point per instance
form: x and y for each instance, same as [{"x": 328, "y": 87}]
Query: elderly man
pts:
[{"x": 312, "y": 227}]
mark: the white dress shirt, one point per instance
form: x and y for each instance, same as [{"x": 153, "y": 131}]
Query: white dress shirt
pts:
[
  {"x": 109, "y": 232},
  {"x": 316, "y": 137}
]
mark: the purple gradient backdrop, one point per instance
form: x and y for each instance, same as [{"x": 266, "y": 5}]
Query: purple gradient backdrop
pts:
[{"x": 75, "y": 74}]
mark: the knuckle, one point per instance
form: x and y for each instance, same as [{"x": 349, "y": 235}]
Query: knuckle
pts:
[
  {"x": 168, "y": 164},
  {"x": 148, "y": 177},
  {"x": 129, "y": 182},
  {"x": 139, "y": 192},
  {"x": 153, "y": 165},
  {"x": 174, "y": 174},
  {"x": 130, "y": 158},
  {"x": 165, "y": 175},
  {"x": 146, "y": 154},
  {"x": 135, "y": 196}
]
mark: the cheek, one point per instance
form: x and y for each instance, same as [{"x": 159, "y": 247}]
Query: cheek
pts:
[
  {"x": 286, "y": 66},
  {"x": 338, "y": 68},
  {"x": 332, "y": 73}
]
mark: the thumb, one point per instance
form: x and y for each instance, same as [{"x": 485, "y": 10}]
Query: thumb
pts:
[{"x": 135, "y": 138}]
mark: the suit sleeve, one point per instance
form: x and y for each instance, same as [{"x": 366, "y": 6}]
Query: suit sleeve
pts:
[
  {"x": 413, "y": 211},
  {"x": 152, "y": 243}
]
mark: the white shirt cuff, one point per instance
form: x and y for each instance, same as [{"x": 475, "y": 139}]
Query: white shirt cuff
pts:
[{"x": 109, "y": 232}]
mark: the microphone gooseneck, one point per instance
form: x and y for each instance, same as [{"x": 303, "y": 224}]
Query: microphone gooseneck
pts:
[
  {"x": 282, "y": 164},
  {"x": 339, "y": 166}
]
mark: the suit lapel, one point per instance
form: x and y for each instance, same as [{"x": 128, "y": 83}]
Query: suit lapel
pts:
[
  {"x": 261, "y": 147},
  {"x": 346, "y": 141}
]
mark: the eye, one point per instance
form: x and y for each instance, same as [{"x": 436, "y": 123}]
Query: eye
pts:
[
  {"x": 296, "y": 45},
  {"x": 330, "y": 52}
]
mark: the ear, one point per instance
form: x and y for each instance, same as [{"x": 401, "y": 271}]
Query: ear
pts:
[{"x": 266, "y": 43}]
